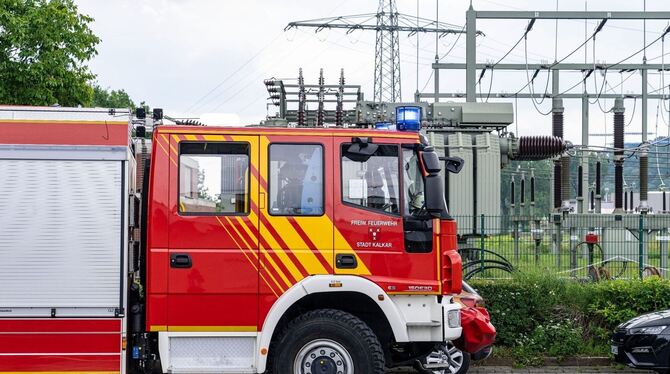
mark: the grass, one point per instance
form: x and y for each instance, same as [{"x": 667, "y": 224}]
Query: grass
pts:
[{"x": 623, "y": 256}]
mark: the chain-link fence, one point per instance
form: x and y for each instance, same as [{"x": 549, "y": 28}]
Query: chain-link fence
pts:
[{"x": 587, "y": 247}]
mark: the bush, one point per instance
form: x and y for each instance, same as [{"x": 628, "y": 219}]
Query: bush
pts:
[
  {"x": 617, "y": 301},
  {"x": 558, "y": 339},
  {"x": 538, "y": 314}
]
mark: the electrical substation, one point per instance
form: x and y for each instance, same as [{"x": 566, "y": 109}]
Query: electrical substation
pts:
[{"x": 589, "y": 229}]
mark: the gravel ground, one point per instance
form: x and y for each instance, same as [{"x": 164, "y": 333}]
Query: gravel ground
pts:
[{"x": 546, "y": 369}]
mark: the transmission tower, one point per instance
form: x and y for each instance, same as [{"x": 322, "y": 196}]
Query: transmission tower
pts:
[
  {"x": 388, "y": 24},
  {"x": 387, "y": 54}
]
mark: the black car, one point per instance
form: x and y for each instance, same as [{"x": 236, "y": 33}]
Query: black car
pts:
[{"x": 644, "y": 342}]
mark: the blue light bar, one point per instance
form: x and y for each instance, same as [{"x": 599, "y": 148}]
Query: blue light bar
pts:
[
  {"x": 408, "y": 118},
  {"x": 384, "y": 126}
]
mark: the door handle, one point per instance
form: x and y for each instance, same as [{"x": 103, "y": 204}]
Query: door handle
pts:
[
  {"x": 181, "y": 261},
  {"x": 346, "y": 261}
]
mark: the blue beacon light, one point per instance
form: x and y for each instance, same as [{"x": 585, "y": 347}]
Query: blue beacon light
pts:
[{"x": 408, "y": 118}]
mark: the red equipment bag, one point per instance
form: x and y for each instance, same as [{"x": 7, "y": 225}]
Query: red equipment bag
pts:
[{"x": 478, "y": 332}]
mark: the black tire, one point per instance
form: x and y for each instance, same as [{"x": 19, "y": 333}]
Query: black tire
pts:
[{"x": 306, "y": 335}]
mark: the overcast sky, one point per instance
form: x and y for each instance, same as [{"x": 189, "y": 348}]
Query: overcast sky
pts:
[{"x": 209, "y": 56}]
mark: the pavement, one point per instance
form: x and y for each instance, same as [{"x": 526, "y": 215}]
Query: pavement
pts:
[
  {"x": 545, "y": 369},
  {"x": 557, "y": 369}
]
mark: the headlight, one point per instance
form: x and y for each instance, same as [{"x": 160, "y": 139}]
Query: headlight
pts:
[
  {"x": 454, "y": 318},
  {"x": 649, "y": 330}
]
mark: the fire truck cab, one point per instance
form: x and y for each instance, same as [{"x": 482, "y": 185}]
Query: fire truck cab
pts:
[{"x": 219, "y": 249}]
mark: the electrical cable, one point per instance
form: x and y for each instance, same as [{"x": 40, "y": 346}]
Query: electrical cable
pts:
[
  {"x": 658, "y": 165},
  {"x": 638, "y": 51},
  {"x": 633, "y": 113},
  {"x": 440, "y": 58},
  {"x": 488, "y": 94},
  {"x": 606, "y": 67},
  {"x": 663, "y": 71},
  {"x": 612, "y": 88},
  {"x": 453, "y": 45},
  {"x": 529, "y": 82},
  {"x": 595, "y": 82},
  {"x": 234, "y": 73},
  {"x": 529, "y": 27}
]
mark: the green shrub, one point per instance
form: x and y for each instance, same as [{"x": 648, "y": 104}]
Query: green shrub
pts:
[
  {"x": 617, "y": 301},
  {"x": 519, "y": 305},
  {"x": 558, "y": 339},
  {"x": 539, "y": 314}
]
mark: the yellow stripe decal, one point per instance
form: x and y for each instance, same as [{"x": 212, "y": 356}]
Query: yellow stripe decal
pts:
[
  {"x": 274, "y": 265},
  {"x": 281, "y": 254},
  {"x": 312, "y": 226},
  {"x": 158, "y": 328},
  {"x": 295, "y": 245},
  {"x": 214, "y": 138},
  {"x": 176, "y": 138},
  {"x": 297, "y": 133},
  {"x": 166, "y": 152}
]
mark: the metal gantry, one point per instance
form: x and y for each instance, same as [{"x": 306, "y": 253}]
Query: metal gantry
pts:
[
  {"x": 471, "y": 67},
  {"x": 388, "y": 24}
]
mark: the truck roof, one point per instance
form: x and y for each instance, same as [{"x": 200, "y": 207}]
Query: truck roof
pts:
[
  {"x": 291, "y": 131},
  {"x": 64, "y": 126}
]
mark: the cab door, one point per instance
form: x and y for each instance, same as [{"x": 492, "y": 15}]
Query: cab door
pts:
[
  {"x": 296, "y": 230},
  {"x": 377, "y": 193},
  {"x": 213, "y": 280}
]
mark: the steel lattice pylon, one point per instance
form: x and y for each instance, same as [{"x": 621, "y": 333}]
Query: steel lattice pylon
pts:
[
  {"x": 389, "y": 23},
  {"x": 387, "y": 53}
]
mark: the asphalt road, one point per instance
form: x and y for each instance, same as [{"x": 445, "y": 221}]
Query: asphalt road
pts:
[{"x": 546, "y": 369}]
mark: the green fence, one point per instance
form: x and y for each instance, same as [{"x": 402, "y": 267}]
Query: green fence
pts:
[{"x": 585, "y": 247}]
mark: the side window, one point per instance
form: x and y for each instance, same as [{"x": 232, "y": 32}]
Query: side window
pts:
[
  {"x": 371, "y": 182},
  {"x": 296, "y": 179},
  {"x": 213, "y": 178}
]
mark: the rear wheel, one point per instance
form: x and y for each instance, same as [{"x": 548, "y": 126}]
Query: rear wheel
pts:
[{"x": 328, "y": 341}]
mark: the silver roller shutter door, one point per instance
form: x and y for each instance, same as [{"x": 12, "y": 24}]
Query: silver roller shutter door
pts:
[{"x": 60, "y": 237}]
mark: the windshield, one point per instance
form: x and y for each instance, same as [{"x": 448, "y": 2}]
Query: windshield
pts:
[{"x": 413, "y": 183}]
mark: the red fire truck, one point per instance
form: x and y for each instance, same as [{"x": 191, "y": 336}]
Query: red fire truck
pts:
[{"x": 219, "y": 249}]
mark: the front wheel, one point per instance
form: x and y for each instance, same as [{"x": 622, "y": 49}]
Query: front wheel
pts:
[
  {"x": 328, "y": 341},
  {"x": 458, "y": 361}
]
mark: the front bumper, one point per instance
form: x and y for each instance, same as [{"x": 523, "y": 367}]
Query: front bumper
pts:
[
  {"x": 427, "y": 319},
  {"x": 640, "y": 350}
]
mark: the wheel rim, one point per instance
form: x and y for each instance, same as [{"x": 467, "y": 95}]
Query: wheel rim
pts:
[
  {"x": 323, "y": 356},
  {"x": 443, "y": 355}
]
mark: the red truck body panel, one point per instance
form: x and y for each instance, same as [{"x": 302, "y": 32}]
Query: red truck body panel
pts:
[{"x": 249, "y": 260}]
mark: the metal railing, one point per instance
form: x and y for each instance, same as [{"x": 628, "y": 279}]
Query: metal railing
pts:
[{"x": 586, "y": 247}]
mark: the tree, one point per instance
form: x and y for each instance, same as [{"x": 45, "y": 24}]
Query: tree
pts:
[
  {"x": 44, "y": 47},
  {"x": 105, "y": 98}
]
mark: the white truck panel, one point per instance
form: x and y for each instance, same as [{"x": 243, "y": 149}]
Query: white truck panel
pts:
[{"x": 61, "y": 237}]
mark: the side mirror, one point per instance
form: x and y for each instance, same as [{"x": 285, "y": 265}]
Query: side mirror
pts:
[
  {"x": 454, "y": 164},
  {"x": 436, "y": 205},
  {"x": 361, "y": 149},
  {"x": 431, "y": 161}
]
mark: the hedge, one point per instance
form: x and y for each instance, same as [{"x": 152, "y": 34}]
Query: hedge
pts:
[{"x": 539, "y": 315}]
